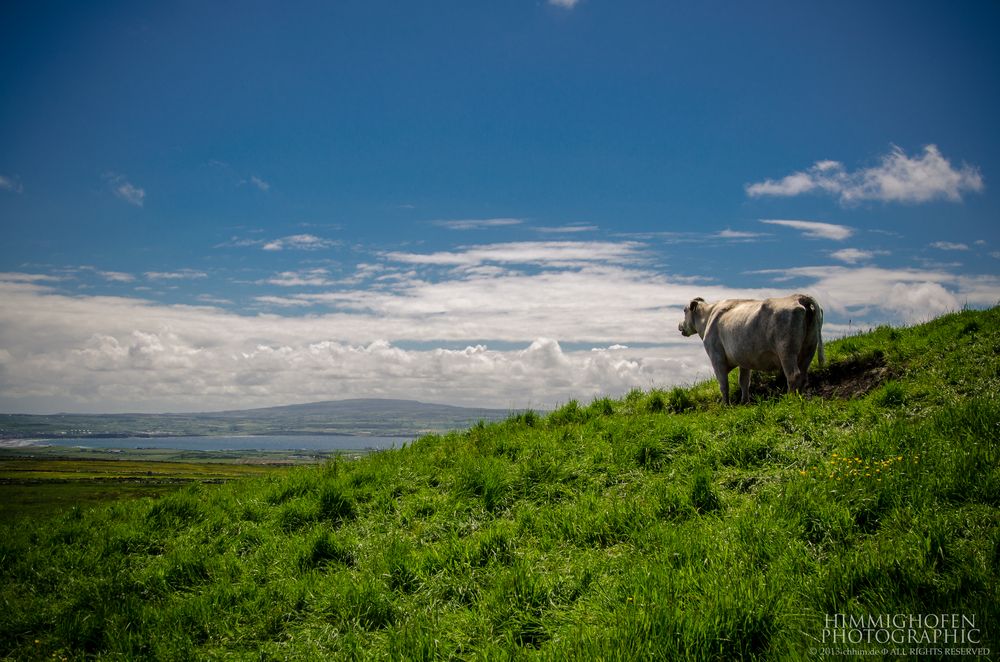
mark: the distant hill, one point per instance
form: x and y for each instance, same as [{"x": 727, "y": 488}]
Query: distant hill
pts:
[{"x": 382, "y": 417}]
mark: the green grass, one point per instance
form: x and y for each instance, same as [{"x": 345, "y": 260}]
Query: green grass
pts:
[{"x": 658, "y": 526}]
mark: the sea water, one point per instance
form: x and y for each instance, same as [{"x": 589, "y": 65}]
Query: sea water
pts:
[{"x": 318, "y": 442}]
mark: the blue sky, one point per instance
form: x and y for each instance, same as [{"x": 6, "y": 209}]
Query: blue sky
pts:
[{"x": 502, "y": 204}]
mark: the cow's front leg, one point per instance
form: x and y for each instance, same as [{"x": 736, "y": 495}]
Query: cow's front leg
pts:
[{"x": 745, "y": 385}]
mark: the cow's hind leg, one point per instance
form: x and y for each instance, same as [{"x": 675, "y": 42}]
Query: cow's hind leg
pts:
[
  {"x": 804, "y": 374},
  {"x": 745, "y": 385},
  {"x": 793, "y": 375},
  {"x": 805, "y": 358}
]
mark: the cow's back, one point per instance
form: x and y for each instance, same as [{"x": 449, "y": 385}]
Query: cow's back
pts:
[{"x": 755, "y": 334}]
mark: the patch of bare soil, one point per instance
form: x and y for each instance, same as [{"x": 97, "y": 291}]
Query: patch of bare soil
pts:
[{"x": 848, "y": 378}]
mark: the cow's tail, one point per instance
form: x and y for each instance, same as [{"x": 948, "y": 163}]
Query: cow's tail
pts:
[{"x": 814, "y": 323}]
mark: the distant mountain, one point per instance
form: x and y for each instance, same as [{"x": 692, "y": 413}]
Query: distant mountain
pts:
[{"x": 371, "y": 417}]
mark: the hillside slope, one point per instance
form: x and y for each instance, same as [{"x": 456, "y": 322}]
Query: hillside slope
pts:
[{"x": 659, "y": 526}]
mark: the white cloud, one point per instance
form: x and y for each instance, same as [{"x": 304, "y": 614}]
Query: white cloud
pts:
[
  {"x": 855, "y": 255},
  {"x": 284, "y": 302},
  {"x": 815, "y": 229},
  {"x": 949, "y": 246},
  {"x": 566, "y": 229},
  {"x": 897, "y": 178},
  {"x": 478, "y": 223},
  {"x": 794, "y": 184},
  {"x": 551, "y": 253},
  {"x": 214, "y": 300},
  {"x": 116, "y": 276},
  {"x": 180, "y": 274},
  {"x": 131, "y": 194},
  {"x": 314, "y": 277},
  {"x": 737, "y": 234},
  {"x": 568, "y": 4},
  {"x": 12, "y": 184},
  {"x": 595, "y": 304},
  {"x": 18, "y": 277},
  {"x": 110, "y": 276},
  {"x": 300, "y": 242},
  {"x": 921, "y": 301},
  {"x": 729, "y": 235},
  {"x": 260, "y": 184},
  {"x": 125, "y": 190},
  {"x": 238, "y": 242},
  {"x": 238, "y": 178}
]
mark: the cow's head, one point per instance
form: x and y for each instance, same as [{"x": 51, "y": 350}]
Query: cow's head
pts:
[{"x": 687, "y": 326}]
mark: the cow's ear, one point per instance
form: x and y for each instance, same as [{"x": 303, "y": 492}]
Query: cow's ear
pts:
[{"x": 694, "y": 303}]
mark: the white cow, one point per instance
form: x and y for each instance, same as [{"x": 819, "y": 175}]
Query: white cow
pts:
[{"x": 773, "y": 334}]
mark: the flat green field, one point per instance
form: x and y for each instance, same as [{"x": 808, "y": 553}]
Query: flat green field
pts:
[{"x": 43, "y": 481}]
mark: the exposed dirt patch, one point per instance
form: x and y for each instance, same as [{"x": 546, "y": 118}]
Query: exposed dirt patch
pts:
[
  {"x": 848, "y": 378},
  {"x": 851, "y": 378}
]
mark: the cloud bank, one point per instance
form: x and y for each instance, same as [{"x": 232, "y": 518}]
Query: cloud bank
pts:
[
  {"x": 494, "y": 325},
  {"x": 115, "y": 353}
]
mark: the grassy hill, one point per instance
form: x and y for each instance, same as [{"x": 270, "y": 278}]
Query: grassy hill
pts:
[{"x": 658, "y": 526}]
